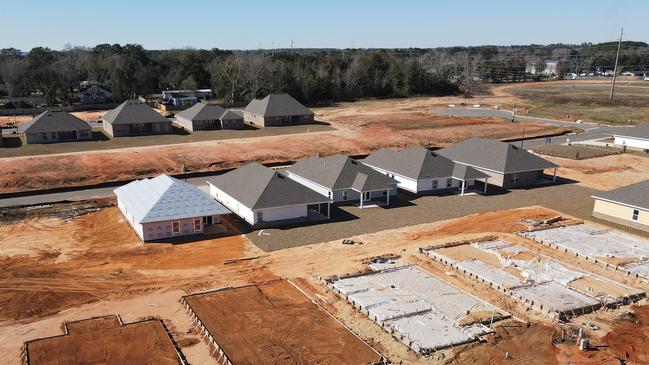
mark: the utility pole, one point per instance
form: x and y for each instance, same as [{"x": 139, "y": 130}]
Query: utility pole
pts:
[{"x": 617, "y": 57}]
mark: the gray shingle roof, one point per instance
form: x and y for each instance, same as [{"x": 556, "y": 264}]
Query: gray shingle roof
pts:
[
  {"x": 259, "y": 187},
  {"x": 202, "y": 111},
  {"x": 277, "y": 105},
  {"x": 133, "y": 111},
  {"x": 166, "y": 198},
  {"x": 341, "y": 172},
  {"x": 54, "y": 121},
  {"x": 231, "y": 115},
  {"x": 494, "y": 155},
  {"x": 641, "y": 131},
  {"x": 636, "y": 195},
  {"x": 419, "y": 163}
]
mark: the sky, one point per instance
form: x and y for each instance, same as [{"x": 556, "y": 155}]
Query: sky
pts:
[{"x": 249, "y": 24}]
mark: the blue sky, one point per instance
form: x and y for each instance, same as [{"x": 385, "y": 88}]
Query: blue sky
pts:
[{"x": 327, "y": 23}]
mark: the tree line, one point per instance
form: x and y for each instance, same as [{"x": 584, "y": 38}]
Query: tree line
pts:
[{"x": 311, "y": 75}]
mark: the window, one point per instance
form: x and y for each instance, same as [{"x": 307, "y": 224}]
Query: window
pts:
[
  {"x": 385, "y": 193},
  {"x": 636, "y": 213},
  {"x": 434, "y": 184},
  {"x": 198, "y": 224},
  {"x": 344, "y": 194},
  {"x": 175, "y": 227},
  {"x": 44, "y": 135},
  {"x": 260, "y": 216},
  {"x": 449, "y": 183},
  {"x": 515, "y": 177}
]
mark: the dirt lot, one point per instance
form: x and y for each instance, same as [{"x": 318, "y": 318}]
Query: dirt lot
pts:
[
  {"x": 275, "y": 322},
  {"x": 604, "y": 173},
  {"x": 59, "y": 269},
  {"x": 360, "y": 128},
  {"x": 572, "y": 152},
  {"x": 95, "y": 341}
]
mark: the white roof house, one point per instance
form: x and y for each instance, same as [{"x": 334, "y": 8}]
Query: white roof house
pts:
[
  {"x": 164, "y": 207},
  {"x": 632, "y": 137}
]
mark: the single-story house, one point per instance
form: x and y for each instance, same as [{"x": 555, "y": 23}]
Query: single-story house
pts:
[
  {"x": 232, "y": 119},
  {"x": 134, "y": 118},
  {"x": 164, "y": 207},
  {"x": 634, "y": 137},
  {"x": 202, "y": 116},
  {"x": 264, "y": 197},
  {"x": 628, "y": 205},
  {"x": 418, "y": 170},
  {"x": 508, "y": 166},
  {"x": 276, "y": 110},
  {"x": 55, "y": 126},
  {"x": 185, "y": 97},
  {"x": 343, "y": 179},
  {"x": 95, "y": 94}
]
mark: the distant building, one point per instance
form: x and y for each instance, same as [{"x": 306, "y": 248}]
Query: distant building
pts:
[
  {"x": 634, "y": 137},
  {"x": 507, "y": 165},
  {"x": 628, "y": 205},
  {"x": 25, "y": 102},
  {"x": 185, "y": 98},
  {"x": 165, "y": 207},
  {"x": 549, "y": 70},
  {"x": 276, "y": 110},
  {"x": 202, "y": 116},
  {"x": 95, "y": 94},
  {"x": 55, "y": 126},
  {"x": 134, "y": 118}
]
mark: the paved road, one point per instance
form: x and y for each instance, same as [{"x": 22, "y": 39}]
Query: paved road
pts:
[
  {"x": 78, "y": 195},
  {"x": 591, "y": 131}
]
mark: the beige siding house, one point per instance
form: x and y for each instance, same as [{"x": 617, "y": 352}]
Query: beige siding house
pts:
[
  {"x": 134, "y": 118},
  {"x": 202, "y": 116},
  {"x": 507, "y": 166},
  {"x": 628, "y": 206},
  {"x": 276, "y": 110},
  {"x": 56, "y": 126}
]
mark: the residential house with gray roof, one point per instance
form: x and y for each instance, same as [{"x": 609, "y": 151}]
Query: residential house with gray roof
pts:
[
  {"x": 628, "y": 205},
  {"x": 265, "y": 197},
  {"x": 276, "y": 110},
  {"x": 420, "y": 170},
  {"x": 508, "y": 166},
  {"x": 55, "y": 126},
  {"x": 134, "y": 118},
  {"x": 165, "y": 207},
  {"x": 95, "y": 94},
  {"x": 343, "y": 179},
  {"x": 202, "y": 116}
]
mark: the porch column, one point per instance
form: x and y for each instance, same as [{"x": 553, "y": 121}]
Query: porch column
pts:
[
  {"x": 554, "y": 177},
  {"x": 388, "y": 197},
  {"x": 328, "y": 210},
  {"x": 486, "y": 181},
  {"x": 361, "y": 200},
  {"x": 462, "y": 193}
]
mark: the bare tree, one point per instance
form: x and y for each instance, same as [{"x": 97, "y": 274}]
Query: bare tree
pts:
[
  {"x": 469, "y": 73},
  {"x": 71, "y": 67},
  {"x": 227, "y": 75},
  {"x": 258, "y": 74}
]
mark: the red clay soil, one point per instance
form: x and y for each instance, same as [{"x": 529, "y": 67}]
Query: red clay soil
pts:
[
  {"x": 135, "y": 343},
  {"x": 526, "y": 346},
  {"x": 274, "y": 323},
  {"x": 62, "y": 264},
  {"x": 357, "y": 135}
]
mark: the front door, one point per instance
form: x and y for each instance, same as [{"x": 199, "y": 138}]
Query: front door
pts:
[{"x": 367, "y": 196}]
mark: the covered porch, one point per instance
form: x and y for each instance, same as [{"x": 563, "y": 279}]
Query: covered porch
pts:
[
  {"x": 374, "y": 198},
  {"x": 467, "y": 177}
]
